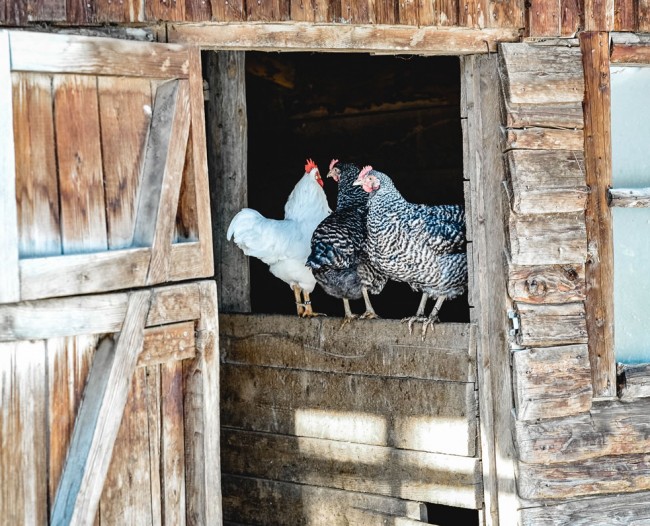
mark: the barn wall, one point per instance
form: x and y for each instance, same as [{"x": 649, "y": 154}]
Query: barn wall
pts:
[{"x": 574, "y": 450}]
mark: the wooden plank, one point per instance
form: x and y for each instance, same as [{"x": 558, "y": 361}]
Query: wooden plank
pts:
[
  {"x": 115, "y": 12},
  {"x": 547, "y": 283},
  {"x": 625, "y": 15},
  {"x": 99, "y": 417},
  {"x": 124, "y": 114},
  {"x": 9, "y": 283},
  {"x": 155, "y": 429},
  {"x": 538, "y": 138},
  {"x": 608, "y": 429},
  {"x": 548, "y": 325},
  {"x": 80, "y": 12},
  {"x": 167, "y": 343},
  {"x": 385, "y": 12},
  {"x": 563, "y": 115},
  {"x": 290, "y": 504},
  {"x": 46, "y": 52},
  {"x": 267, "y": 11},
  {"x": 232, "y": 10},
  {"x": 505, "y": 14},
  {"x": 23, "y": 427},
  {"x": 443, "y": 479},
  {"x": 37, "y": 192},
  {"x": 380, "y": 348},
  {"x": 303, "y": 10},
  {"x": 173, "y": 10},
  {"x": 355, "y": 11},
  {"x": 472, "y": 13},
  {"x": 161, "y": 177},
  {"x": 604, "y": 510},
  {"x": 341, "y": 38},
  {"x": 126, "y": 497},
  {"x": 548, "y": 239},
  {"x": 542, "y": 74},
  {"x": 598, "y": 168},
  {"x": 104, "y": 313},
  {"x": 78, "y": 149},
  {"x": 630, "y": 48},
  {"x": 83, "y": 273},
  {"x": 46, "y": 11},
  {"x": 544, "y": 18},
  {"x": 551, "y": 382},
  {"x": 546, "y": 181},
  {"x": 227, "y": 157},
  {"x": 629, "y": 197},
  {"x": 599, "y": 15},
  {"x": 438, "y": 417},
  {"x": 408, "y": 12},
  {"x": 198, "y": 10},
  {"x": 634, "y": 381},
  {"x": 617, "y": 474}
]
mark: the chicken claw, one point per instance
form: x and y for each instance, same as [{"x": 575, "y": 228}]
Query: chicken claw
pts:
[
  {"x": 414, "y": 319},
  {"x": 348, "y": 319},
  {"x": 369, "y": 315}
]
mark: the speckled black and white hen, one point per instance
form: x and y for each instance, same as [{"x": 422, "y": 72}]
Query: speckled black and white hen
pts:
[
  {"x": 338, "y": 259},
  {"x": 421, "y": 245}
]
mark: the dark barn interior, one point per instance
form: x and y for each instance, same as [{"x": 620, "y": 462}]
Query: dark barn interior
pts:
[{"x": 399, "y": 114}]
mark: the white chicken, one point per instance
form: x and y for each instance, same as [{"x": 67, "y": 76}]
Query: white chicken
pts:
[{"x": 285, "y": 244}]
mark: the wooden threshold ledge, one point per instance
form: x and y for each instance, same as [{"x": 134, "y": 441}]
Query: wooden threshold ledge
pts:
[
  {"x": 630, "y": 48},
  {"x": 629, "y": 197},
  {"x": 342, "y": 38}
]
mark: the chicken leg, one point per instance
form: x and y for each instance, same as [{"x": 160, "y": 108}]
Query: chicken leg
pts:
[
  {"x": 348, "y": 313},
  {"x": 300, "y": 306},
  {"x": 419, "y": 315},
  {"x": 433, "y": 317},
  {"x": 308, "y": 312},
  {"x": 370, "y": 313}
]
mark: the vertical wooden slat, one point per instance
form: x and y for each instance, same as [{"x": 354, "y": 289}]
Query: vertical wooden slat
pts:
[
  {"x": 267, "y": 11},
  {"x": 46, "y": 10},
  {"x": 302, "y": 10},
  {"x": 625, "y": 15},
  {"x": 471, "y": 13},
  {"x": 505, "y": 13},
  {"x": 197, "y": 10},
  {"x": 571, "y": 17},
  {"x": 544, "y": 18},
  {"x": 9, "y": 281},
  {"x": 599, "y": 15},
  {"x": 598, "y": 168},
  {"x": 355, "y": 11},
  {"x": 172, "y": 10},
  {"x": 81, "y": 185},
  {"x": 386, "y": 12},
  {"x": 99, "y": 417},
  {"x": 228, "y": 10},
  {"x": 154, "y": 427},
  {"x": 80, "y": 12},
  {"x": 17, "y": 12},
  {"x": 126, "y": 498},
  {"x": 227, "y": 158},
  {"x": 114, "y": 11},
  {"x": 187, "y": 221},
  {"x": 408, "y": 12},
  {"x": 37, "y": 192},
  {"x": 643, "y": 16},
  {"x": 125, "y": 114}
]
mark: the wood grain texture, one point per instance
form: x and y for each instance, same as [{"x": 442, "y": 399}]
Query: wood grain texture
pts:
[
  {"x": 99, "y": 417},
  {"x": 228, "y": 10},
  {"x": 266, "y": 11},
  {"x": 125, "y": 114},
  {"x": 167, "y": 343},
  {"x": 547, "y": 283},
  {"x": 9, "y": 283},
  {"x": 551, "y": 382},
  {"x": 610, "y": 428},
  {"x": 544, "y": 18},
  {"x": 633, "y": 381},
  {"x": 78, "y": 149},
  {"x": 598, "y": 167},
  {"x": 538, "y": 138},
  {"x": 629, "y": 197},
  {"x": 37, "y": 192},
  {"x": 444, "y": 479},
  {"x": 165, "y": 10},
  {"x": 599, "y": 15},
  {"x": 154, "y": 420},
  {"x": 562, "y": 115},
  {"x": 629, "y": 48},
  {"x": 545, "y": 182},
  {"x": 341, "y": 38},
  {"x": 549, "y": 325},
  {"x": 625, "y": 15},
  {"x": 355, "y": 11}
]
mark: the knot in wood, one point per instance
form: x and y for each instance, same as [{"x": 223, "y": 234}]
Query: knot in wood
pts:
[{"x": 536, "y": 287}]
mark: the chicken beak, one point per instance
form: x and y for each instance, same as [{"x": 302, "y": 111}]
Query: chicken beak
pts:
[{"x": 358, "y": 182}]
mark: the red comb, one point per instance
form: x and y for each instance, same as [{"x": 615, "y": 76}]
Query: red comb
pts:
[
  {"x": 334, "y": 161},
  {"x": 310, "y": 166},
  {"x": 364, "y": 172}
]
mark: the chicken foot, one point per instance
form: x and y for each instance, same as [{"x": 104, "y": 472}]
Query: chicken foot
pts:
[
  {"x": 419, "y": 315},
  {"x": 433, "y": 317},
  {"x": 300, "y": 306},
  {"x": 370, "y": 313},
  {"x": 348, "y": 313},
  {"x": 308, "y": 312}
]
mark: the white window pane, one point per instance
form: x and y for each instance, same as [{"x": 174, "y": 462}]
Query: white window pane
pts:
[{"x": 631, "y": 168}]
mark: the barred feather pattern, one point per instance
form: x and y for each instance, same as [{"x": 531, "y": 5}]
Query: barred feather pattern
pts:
[
  {"x": 421, "y": 245},
  {"x": 338, "y": 258}
]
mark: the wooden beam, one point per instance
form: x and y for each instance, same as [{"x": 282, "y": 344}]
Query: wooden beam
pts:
[
  {"x": 547, "y": 283},
  {"x": 9, "y": 281},
  {"x": 227, "y": 128},
  {"x": 550, "y": 325},
  {"x": 629, "y": 197},
  {"x": 630, "y": 48},
  {"x": 598, "y": 168},
  {"x": 167, "y": 343},
  {"x": 634, "y": 381},
  {"x": 343, "y": 38},
  {"x": 599, "y": 15},
  {"x": 99, "y": 417},
  {"x": 539, "y": 138}
]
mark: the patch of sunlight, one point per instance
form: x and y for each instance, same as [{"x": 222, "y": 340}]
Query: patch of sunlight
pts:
[
  {"x": 364, "y": 428},
  {"x": 457, "y": 496},
  {"x": 343, "y": 451},
  {"x": 434, "y": 434}
]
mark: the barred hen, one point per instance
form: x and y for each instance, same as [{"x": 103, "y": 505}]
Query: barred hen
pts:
[
  {"x": 338, "y": 258},
  {"x": 284, "y": 244},
  {"x": 421, "y": 245}
]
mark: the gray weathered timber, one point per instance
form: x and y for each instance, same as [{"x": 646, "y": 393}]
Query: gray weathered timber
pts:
[
  {"x": 549, "y": 325},
  {"x": 630, "y": 48},
  {"x": 406, "y": 413},
  {"x": 547, "y": 283},
  {"x": 629, "y": 197},
  {"x": 547, "y": 181},
  {"x": 608, "y": 510},
  {"x": 551, "y": 382},
  {"x": 548, "y": 239},
  {"x": 542, "y": 74},
  {"x": 610, "y": 428},
  {"x": 539, "y": 138},
  {"x": 563, "y": 115},
  {"x": 634, "y": 381},
  {"x": 227, "y": 138},
  {"x": 375, "y": 348},
  {"x": 414, "y": 475}
]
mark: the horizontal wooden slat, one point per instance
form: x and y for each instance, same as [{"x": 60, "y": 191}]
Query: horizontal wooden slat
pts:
[
  {"x": 551, "y": 382},
  {"x": 548, "y": 239},
  {"x": 188, "y": 260},
  {"x": 438, "y": 417},
  {"x": 544, "y": 139},
  {"x": 635, "y": 381},
  {"x": 97, "y": 314},
  {"x": 47, "y": 52},
  {"x": 548, "y": 325},
  {"x": 629, "y": 197},
  {"x": 546, "y": 182},
  {"x": 168, "y": 343},
  {"x": 413, "y": 475},
  {"x": 376, "y": 348},
  {"x": 547, "y": 283},
  {"x": 341, "y": 37},
  {"x": 551, "y": 115},
  {"x": 615, "y": 474},
  {"x": 609, "y": 428},
  {"x": 630, "y": 48}
]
